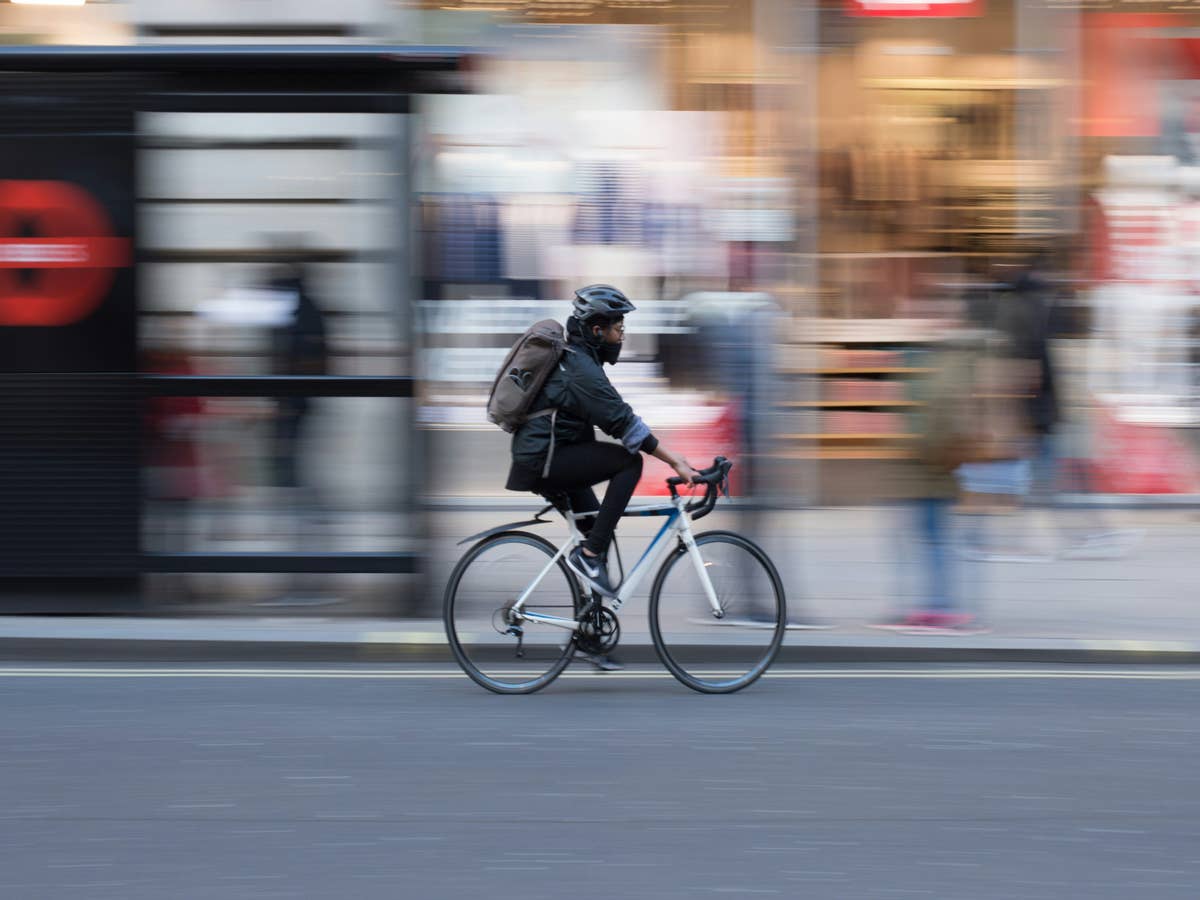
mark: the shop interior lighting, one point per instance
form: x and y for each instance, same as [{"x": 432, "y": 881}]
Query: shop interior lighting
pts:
[
  {"x": 48, "y": 2},
  {"x": 490, "y": 6},
  {"x": 917, "y": 50}
]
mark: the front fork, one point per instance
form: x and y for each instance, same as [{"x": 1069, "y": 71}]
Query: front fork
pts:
[{"x": 693, "y": 550}]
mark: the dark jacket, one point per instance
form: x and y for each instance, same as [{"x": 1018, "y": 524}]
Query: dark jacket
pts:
[
  {"x": 299, "y": 346},
  {"x": 585, "y": 400},
  {"x": 1025, "y": 318}
]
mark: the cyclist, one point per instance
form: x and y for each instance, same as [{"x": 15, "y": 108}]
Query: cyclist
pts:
[{"x": 585, "y": 399}]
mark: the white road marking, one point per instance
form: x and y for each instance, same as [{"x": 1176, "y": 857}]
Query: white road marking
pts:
[{"x": 1130, "y": 674}]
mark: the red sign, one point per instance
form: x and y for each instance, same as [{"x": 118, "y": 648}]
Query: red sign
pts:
[
  {"x": 1120, "y": 73},
  {"x": 58, "y": 254},
  {"x": 1141, "y": 459},
  {"x": 699, "y": 443},
  {"x": 928, "y": 9}
]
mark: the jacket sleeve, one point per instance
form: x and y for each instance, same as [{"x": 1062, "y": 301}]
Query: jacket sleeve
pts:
[{"x": 607, "y": 411}]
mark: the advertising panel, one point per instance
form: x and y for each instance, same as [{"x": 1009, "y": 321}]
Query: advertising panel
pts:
[{"x": 70, "y": 445}]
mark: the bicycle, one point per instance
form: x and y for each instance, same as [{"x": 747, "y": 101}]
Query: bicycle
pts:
[{"x": 504, "y": 606}]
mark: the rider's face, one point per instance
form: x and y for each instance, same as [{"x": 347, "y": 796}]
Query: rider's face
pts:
[{"x": 613, "y": 334}]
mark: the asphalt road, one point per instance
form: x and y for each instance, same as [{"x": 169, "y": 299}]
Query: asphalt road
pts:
[{"x": 365, "y": 782}]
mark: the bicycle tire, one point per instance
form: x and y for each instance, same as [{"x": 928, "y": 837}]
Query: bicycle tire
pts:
[
  {"x": 489, "y": 659},
  {"x": 694, "y": 653}
]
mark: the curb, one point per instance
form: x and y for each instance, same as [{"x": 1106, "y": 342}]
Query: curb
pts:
[{"x": 422, "y": 649}]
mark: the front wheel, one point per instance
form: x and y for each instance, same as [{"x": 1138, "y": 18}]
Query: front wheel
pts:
[{"x": 718, "y": 652}]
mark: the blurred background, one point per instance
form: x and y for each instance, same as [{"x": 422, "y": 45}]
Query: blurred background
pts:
[{"x": 819, "y": 208}]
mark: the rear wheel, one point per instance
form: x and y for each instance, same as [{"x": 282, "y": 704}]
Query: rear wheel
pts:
[
  {"x": 710, "y": 654},
  {"x": 492, "y": 644}
]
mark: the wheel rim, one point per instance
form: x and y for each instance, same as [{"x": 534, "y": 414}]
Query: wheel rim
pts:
[
  {"x": 710, "y": 653},
  {"x": 480, "y": 596}
]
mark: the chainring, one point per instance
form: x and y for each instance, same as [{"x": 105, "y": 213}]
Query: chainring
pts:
[{"x": 601, "y": 637}]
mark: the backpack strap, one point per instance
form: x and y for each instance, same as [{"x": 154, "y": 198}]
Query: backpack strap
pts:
[
  {"x": 552, "y": 412},
  {"x": 550, "y": 453}
]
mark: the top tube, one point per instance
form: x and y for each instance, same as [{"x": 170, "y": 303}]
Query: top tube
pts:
[{"x": 656, "y": 509}]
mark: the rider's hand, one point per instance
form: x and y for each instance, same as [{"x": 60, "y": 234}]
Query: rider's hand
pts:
[{"x": 684, "y": 470}]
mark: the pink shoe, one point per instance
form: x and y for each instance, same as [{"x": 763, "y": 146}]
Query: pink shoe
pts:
[
  {"x": 930, "y": 622},
  {"x": 953, "y": 623},
  {"x": 946, "y": 620},
  {"x": 903, "y": 623}
]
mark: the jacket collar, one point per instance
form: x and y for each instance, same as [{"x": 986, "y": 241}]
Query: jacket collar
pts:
[{"x": 579, "y": 343}]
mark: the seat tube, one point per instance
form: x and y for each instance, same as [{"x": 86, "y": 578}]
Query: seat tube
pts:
[{"x": 573, "y": 527}]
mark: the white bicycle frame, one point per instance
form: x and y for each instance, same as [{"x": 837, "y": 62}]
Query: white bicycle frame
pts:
[{"x": 678, "y": 524}]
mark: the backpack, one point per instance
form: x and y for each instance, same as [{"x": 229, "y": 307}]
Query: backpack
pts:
[{"x": 525, "y": 369}]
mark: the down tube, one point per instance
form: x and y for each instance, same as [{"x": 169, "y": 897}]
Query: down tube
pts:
[{"x": 639, "y": 568}]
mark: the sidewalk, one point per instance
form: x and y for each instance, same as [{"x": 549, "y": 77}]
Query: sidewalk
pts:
[{"x": 839, "y": 568}]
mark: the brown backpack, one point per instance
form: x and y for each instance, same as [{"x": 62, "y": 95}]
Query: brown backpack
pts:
[{"x": 526, "y": 368}]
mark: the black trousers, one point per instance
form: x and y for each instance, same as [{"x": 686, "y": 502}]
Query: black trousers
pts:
[{"x": 576, "y": 467}]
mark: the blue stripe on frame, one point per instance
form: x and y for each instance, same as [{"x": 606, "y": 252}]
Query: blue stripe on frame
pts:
[
  {"x": 654, "y": 543},
  {"x": 654, "y": 511}
]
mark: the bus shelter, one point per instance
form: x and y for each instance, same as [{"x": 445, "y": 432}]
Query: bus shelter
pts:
[{"x": 74, "y": 253}]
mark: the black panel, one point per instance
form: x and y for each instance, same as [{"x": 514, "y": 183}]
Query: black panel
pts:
[
  {"x": 396, "y": 386},
  {"x": 69, "y": 475},
  {"x": 69, "y": 401},
  {"x": 66, "y": 103}
]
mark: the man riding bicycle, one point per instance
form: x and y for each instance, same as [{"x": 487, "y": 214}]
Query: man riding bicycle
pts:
[{"x": 585, "y": 399}]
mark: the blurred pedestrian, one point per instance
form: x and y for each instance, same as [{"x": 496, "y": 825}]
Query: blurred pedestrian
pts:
[
  {"x": 1027, "y": 316},
  {"x": 735, "y": 337},
  {"x": 298, "y": 347},
  {"x": 173, "y": 464},
  {"x": 949, "y": 432},
  {"x": 186, "y": 475}
]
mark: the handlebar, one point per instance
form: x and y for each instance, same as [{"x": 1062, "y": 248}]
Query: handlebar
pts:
[{"x": 715, "y": 479}]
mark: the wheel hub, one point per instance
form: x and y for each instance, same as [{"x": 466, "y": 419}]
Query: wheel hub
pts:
[{"x": 504, "y": 618}]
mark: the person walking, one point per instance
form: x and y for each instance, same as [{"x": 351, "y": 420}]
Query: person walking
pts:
[{"x": 949, "y": 432}]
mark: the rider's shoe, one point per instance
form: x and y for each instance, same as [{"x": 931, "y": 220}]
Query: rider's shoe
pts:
[
  {"x": 602, "y": 661},
  {"x": 592, "y": 569}
]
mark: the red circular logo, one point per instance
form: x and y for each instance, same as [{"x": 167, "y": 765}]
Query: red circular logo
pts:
[{"x": 58, "y": 255}]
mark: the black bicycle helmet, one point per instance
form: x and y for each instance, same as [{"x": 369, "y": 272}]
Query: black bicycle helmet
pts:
[{"x": 600, "y": 301}]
